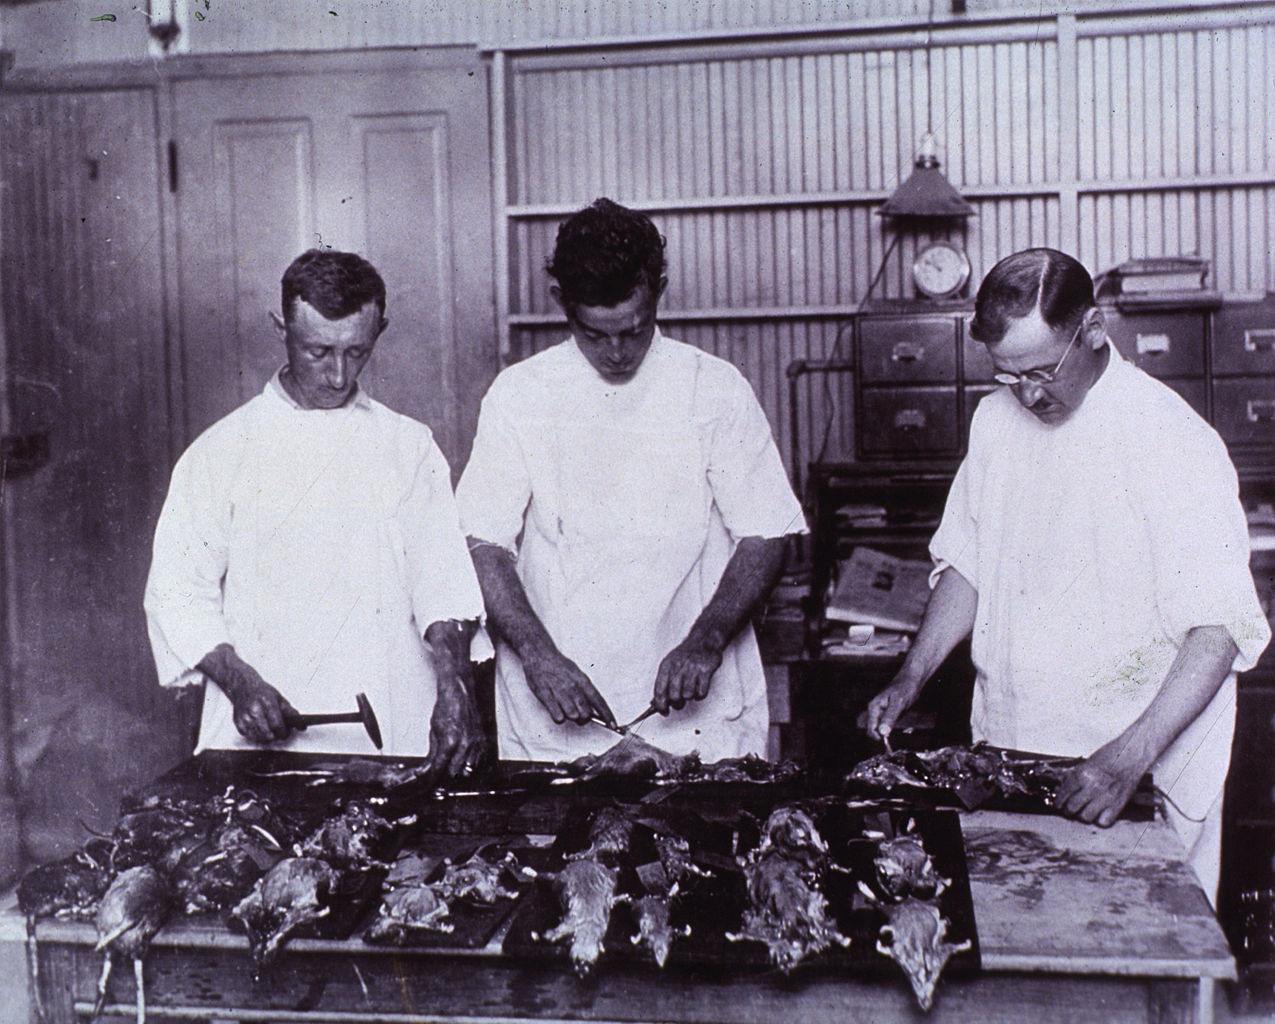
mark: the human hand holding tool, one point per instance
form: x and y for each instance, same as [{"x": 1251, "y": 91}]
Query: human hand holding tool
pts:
[{"x": 628, "y": 727}]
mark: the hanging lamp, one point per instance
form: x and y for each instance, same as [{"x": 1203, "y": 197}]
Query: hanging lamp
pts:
[{"x": 926, "y": 192}]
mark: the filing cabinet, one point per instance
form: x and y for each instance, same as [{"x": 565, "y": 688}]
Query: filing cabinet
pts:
[
  {"x": 1172, "y": 346},
  {"x": 909, "y": 399},
  {"x": 1244, "y": 374},
  {"x": 920, "y": 376},
  {"x": 1165, "y": 344},
  {"x": 909, "y": 421}
]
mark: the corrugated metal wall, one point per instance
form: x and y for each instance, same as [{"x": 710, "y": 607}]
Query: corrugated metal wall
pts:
[{"x": 763, "y": 162}]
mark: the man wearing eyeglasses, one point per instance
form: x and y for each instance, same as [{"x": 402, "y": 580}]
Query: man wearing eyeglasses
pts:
[{"x": 1094, "y": 548}]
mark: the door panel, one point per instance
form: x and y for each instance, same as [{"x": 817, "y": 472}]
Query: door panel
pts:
[
  {"x": 264, "y": 207},
  {"x": 404, "y": 170},
  {"x": 381, "y": 162},
  {"x": 83, "y": 310}
]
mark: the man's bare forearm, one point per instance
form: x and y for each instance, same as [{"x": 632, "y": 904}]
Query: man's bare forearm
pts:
[
  {"x": 948, "y": 619},
  {"x": 747, "y": 581},
  {"x": 557, "y": 682},
  {"x": 1202, "y": 664},
  {"x": 508, "y": 609},
  {"x": 447, "y": 646}
]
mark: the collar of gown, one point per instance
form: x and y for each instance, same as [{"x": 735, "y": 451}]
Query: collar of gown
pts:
[
  {"x": 1107, "y": 387},
  {"x": 359, "y": 399},
  {"x": 586, "y": 370}
]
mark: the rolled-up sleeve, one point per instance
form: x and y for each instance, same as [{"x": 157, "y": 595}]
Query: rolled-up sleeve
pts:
[
  {"x": 745, "y": 472},
  {"x": 1199, "y": 541},
  {"x": 496, "y": 486},
  {"x": 955, "y": 543},
  {"x": 441, "y": 574},
  {"x": 183, "y": 601}
]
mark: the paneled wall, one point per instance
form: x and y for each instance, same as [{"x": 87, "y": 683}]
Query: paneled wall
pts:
[
  {"x": 86, "y": 364},
  {"x": 763, "y": 162}
]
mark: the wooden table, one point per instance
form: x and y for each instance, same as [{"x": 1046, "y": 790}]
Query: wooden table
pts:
[{"x": 1075, "y": 924}]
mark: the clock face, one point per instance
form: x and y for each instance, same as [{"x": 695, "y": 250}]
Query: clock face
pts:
[{"x": 940, "y": 270}]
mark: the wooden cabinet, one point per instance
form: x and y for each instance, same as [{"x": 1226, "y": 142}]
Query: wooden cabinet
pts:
[
  {"x": 919, "y": 376},
  {"x": 1246, "y": 901},
  {"x": 1167, "y": 345},
  {"x": 1244, "y": 374},
  {"x": 908, "y": 378}
]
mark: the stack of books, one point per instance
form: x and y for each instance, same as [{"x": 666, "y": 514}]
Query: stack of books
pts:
[
  {"x": 1162, "y": 274},
  {"x": 861, "y": 516}
]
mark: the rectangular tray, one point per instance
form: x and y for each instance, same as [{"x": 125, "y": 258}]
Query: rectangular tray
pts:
[{"x": 714, "y": 906}]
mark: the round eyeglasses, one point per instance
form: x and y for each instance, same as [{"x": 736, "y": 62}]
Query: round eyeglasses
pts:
[{"x": 1038, "y": 377}]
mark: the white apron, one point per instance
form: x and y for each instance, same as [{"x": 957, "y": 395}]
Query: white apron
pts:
[{"x": 622, "y": 549}]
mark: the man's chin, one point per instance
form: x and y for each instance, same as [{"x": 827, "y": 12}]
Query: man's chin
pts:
[
  {"x": 618, "y": 376},
  {"x": 329, "y": 401},
  {"x": 1051, "y": 415}
]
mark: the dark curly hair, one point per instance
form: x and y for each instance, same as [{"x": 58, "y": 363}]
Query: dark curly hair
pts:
[
  {"x": 337, "y": 284},
  {"x": 1053, "y": 281},
  {"x": 604, "y": 252}
]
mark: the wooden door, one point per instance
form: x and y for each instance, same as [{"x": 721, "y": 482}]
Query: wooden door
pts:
[
  {"x": 83, "y": 308},
  {"x": 388, "y": 161}
]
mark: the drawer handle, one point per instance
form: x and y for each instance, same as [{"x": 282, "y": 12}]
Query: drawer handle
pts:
[
  {"x": 1153, "y": 344},
  {"x": 906, "y": 352},
  {"x": 909, "y": 419},
  {"x": 1259, "y": 339},
  {"x": 1260, "y": 410}
]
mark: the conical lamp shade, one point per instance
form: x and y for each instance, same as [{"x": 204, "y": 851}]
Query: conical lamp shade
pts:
[{"x": 926, "y": 193}]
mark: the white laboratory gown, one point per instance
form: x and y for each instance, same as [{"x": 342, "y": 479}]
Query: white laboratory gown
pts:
[
  {"x": 1094, "y": 546},
  {"x": 624, "y": 504},
  {"x": 321, "y": 544}
]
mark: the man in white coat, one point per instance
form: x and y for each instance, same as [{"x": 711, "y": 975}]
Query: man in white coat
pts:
[
  {"x": 1094, "y": 546},
  {"x": 627, "y": 511},
  {"x": 310, "y": 549}
]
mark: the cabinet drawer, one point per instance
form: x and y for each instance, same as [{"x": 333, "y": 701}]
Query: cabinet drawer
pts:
[
  {"x": 1163, "y": 344},
  {"x": 1194, "y": 391},
  {"x": 972, "y": 397},
  {"x": 908, "y": 421},
  {"x": 1244, "y": 410},
  {"x": 1244, "y": 337},
  {"x": 899, "y": 350},
  {"x": 978, "y": 364}
]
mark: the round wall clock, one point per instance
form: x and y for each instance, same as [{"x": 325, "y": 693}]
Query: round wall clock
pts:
[{"x": 940, "y": 270}]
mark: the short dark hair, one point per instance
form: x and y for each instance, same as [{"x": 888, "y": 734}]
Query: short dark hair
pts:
[
  {"x": 1045, "y": 279},
  {"x": 337, "y": 284},
  {"x": 604, "y": 252}
]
